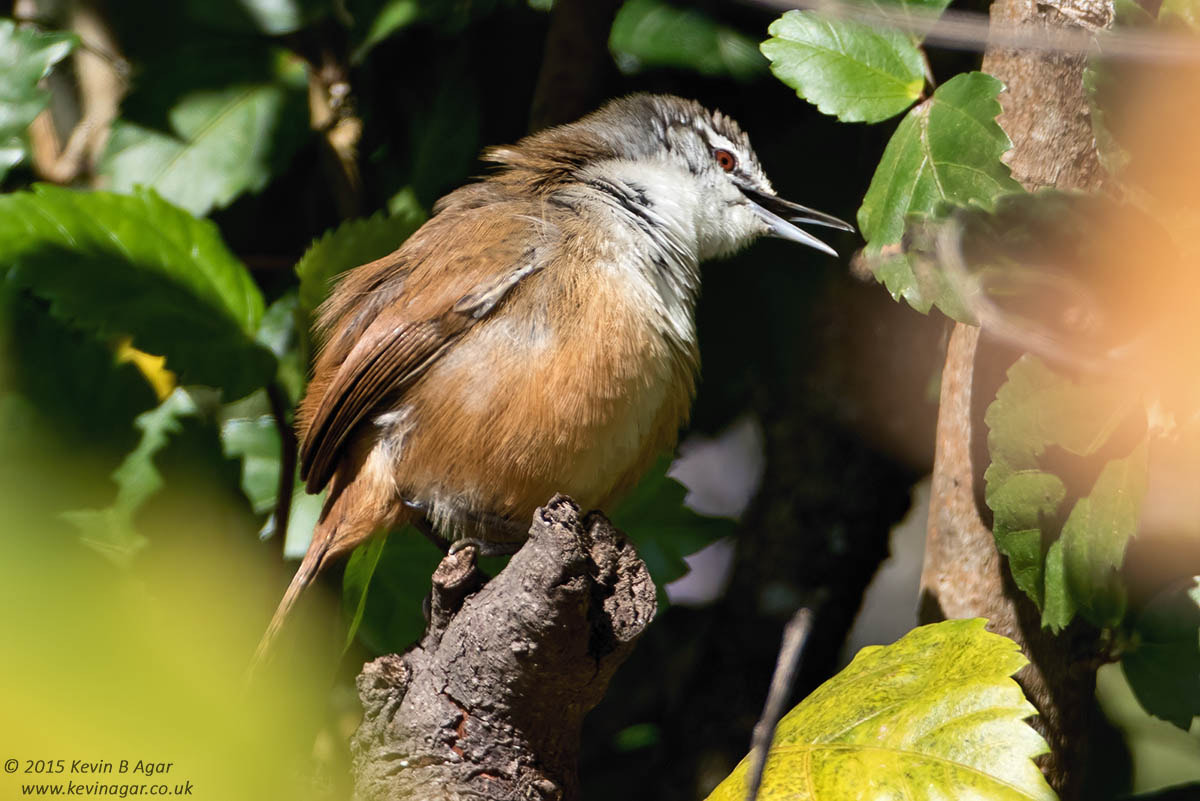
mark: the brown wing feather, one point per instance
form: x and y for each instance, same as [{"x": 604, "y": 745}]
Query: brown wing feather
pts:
[
  {"x": 386, "y": 366},
  {"x": 390, "y": 319}
]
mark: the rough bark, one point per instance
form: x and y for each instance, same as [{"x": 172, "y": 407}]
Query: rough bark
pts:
[
  {"x": 964, "y": 576},
  {"x": 490, "y": 704},
  {"x": 1046, "y": 116}
]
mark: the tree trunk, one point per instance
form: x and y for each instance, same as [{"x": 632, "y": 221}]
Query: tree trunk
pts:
[{"x": 1046, "y": 115}]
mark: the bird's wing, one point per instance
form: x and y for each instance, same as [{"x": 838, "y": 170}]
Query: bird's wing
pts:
[{"x": 402, "y": 313}]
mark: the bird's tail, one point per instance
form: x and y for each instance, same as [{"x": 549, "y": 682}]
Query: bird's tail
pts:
[{"x": 309, "y": 567}]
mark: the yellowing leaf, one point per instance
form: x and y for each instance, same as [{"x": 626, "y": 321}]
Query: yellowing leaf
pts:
[{"x": 935, "y": 715}]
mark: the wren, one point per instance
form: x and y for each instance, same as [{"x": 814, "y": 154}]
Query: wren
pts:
[{"x": 536, "y": 335}]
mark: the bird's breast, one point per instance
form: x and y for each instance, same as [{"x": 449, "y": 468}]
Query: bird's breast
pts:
[{"x": 574, "y": 386}]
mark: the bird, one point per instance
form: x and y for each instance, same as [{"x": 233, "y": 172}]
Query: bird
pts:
[{"x": 535, "y": 336}]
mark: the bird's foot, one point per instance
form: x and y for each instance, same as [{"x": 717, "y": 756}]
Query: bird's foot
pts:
[{"x": 486, "y": 548}]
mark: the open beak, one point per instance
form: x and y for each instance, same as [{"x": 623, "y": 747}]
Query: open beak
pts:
[{"x": 781, "y": 215}]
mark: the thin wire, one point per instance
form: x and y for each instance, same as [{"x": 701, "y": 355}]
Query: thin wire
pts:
[{"x": 965, "y": 30}]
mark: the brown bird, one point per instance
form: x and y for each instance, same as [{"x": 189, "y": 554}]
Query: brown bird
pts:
[{"x": 536, "y": 335}]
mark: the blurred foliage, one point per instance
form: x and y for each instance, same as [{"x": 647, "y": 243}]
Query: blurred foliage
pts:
[
  {"x": 933, "y": 715},
  {"x": 26, "y": 56},
  {"x": 650, "y": 34}
]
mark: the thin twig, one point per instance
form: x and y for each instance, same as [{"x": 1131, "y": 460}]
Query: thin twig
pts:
[
  {"x": 794, "y": 636},
  {"x": 287, "y": 460}
]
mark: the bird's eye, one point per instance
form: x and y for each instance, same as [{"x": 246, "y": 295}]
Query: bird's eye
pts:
[{"x": 725, "y": 160}]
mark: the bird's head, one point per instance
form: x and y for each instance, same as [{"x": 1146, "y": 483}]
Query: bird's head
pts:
[{"x": 677, "y": 164}]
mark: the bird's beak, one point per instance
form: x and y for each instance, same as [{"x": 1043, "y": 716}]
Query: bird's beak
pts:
[{"x": 780, "y": 216}]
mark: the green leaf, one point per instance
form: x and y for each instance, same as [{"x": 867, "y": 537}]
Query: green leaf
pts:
[
  {"x": 399, "y": 579},
  {"x": 1034, "y": 410},
  {"x": 138, "y": 265},
  {"x": 945, "y": 152},
  {"x": 932, "y": 716},
  {"x": 357, "y": 580},
  {"x": 306, "y": 511},
  {"x": 67, "y": 410},
  {"x": 855, "y": 72},
  {"x": 444, "y": 130},
  {"x": 1096, "y": 534},
  {"x": 1022, "y": 504},
  {"x": 1037, "y": 407},
  {"x": 664, "y": 530},
  {"x": 278, "y": 332},
  {"x": 222, "y": 141},
  {"x": 652, "y": 34},
  {"x": 377, "y": 22},
  {"x": 111, "y": 530},
  {"x": 256, "y": 442},
  {"x": 1060, "y": 605},
  {"x": 1163, "y": 668},
  {"x": 26, "y": 56},
  {"x": 1187, "y": 11},
  {"x": 352, "y": 243}
]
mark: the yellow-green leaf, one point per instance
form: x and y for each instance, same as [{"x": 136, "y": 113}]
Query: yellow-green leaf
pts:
[{"x": 935, "y": 715}]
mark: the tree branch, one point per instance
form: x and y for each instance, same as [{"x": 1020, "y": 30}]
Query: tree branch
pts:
[
  {"x": 490, "y": 704},
  {"x": 576, "y": 65},
  {"x": 277, "y": 397}
]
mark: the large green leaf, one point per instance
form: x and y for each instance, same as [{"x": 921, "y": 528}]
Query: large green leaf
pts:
[
  {"x": 221, "y": 140},
  {"x": 945, "y": 152},
  {"x": 1163, "y": 666},
  {"x": 137, "y": 265},
  {"x": 852, "y": 71},
  {"x": 356, "y": 582},
  {"x": 26, "y": 56},
  {"x": 935, "y": 715},
  {"x": 662, "y": 527},
  {"x": 352, "y": 243},
  {"x": 648, "y": 34}
]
